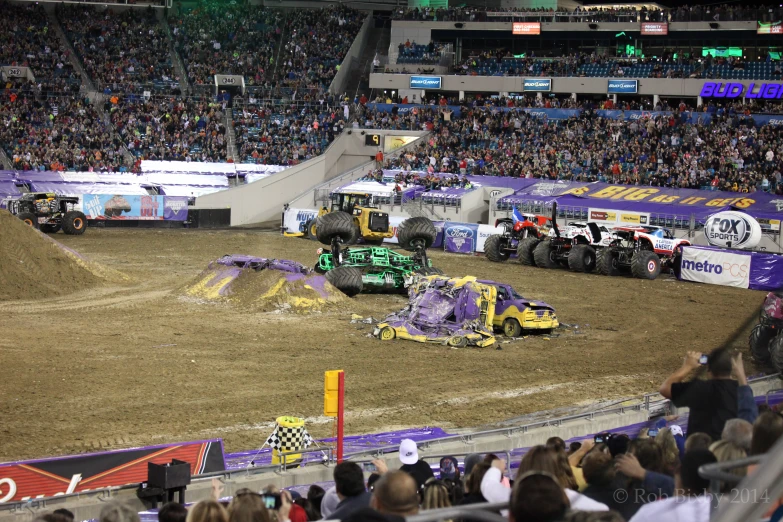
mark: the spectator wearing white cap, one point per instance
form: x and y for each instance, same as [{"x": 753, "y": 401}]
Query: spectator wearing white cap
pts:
[{"x": 411, "y": 464}]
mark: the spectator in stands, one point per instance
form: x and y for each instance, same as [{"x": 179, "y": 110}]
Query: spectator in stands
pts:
[
  {"x": 116, "y": 511},
  {"x": 396, "y": 493},
  {"x": 69, "y": 515},
  {"x": 315, "y": 496},
  {"x": 349, "y": 485},
  {"x": 411, "y": 464},
  {"x": 767, "y": 429},
  {"x": 449, "y": 468},
  {"x": 473, "y": 482},
  {"x": 435, "y": 495},
  {"x": 640, "y": 476},
  {"x": 726, "y": 451},
  {"x": 739, "y": 432},
  {"x": 670, "y": 453},
  {"x": 172, "y": 512},
  {"x": 471, "y": 460},
  {"x": 329, "y": 502},
  {"x": 697, "y": 441},
  {"x": 248, "y": 507},
  {"x": 51, "y": 517},
  {"x": 537, "y": 496},
  {"x": 712, "y": 402},
  {"x": 603, "y": 484},
  {"x": 691, "y": 504},
  {"x": 538, "y": 459}
]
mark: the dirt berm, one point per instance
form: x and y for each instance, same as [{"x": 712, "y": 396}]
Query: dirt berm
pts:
[{"x": 34, "y": 266}]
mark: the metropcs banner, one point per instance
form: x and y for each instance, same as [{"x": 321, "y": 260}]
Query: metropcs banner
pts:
[
  {"x": 116, "y": 207},
  {"x": 716, "y": 267}
]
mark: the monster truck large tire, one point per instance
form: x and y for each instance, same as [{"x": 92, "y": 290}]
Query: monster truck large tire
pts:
[
  {"x": 415, "y": 233},
  {"x": 760, "y": 338},
  {"x": 645, "y": 265},
  {"x": 606, "y": 262},
  {"x": 544, "y": 255},
  {"x": 50, "y": 229},
  {"x": 581, "y": 258},
  {"x": 347, "y": 279},
  {"x": 311, "y": 231},
  {"x": 28, "y": 218},
  {"x": 335, "y": 224},
  {"x": 525, "y": 250},
  {"x": 74, "y": 223},
  {"x": 776, "y": 353},
  {"x": 493, "y": 251}
]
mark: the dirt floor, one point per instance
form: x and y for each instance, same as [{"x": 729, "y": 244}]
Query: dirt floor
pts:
[{"x": 137, "y": 363}]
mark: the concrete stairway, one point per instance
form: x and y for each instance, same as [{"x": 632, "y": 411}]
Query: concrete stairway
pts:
[
  {"x": 54, "y": 23},
  {"x": 5, "y": 161},
  {"x": 176, "y": 61},
  {"x": 378, "y": 41},
  {"x": 231, "y": 137}
]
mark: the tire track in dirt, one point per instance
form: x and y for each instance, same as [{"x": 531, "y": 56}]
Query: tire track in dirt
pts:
[{"x": 101, "y": 298}]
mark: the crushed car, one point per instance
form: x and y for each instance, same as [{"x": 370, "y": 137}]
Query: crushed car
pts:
[{"x": 463, "y": 312}]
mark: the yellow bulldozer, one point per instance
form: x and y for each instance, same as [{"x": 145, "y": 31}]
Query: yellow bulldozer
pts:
[{"x": 369, "y": 223}]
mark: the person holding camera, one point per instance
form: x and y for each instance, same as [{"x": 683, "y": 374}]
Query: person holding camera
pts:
[{"x": 712, "y": 401}]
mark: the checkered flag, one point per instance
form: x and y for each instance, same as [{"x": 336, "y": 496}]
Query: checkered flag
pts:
[{"x": 286, "y": 439}]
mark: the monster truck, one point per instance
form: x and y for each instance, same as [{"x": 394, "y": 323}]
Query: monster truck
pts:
[
  {"x": 464, "y": 311},
  {"x": 49, "y": 212},
  {"x": 517, "y": 237},
  {"x": 379, "y": 269},
  {"x": 766, "y": 343},
  {"x": 639, "y": 249},
  {"x": 573, "y": 246}
]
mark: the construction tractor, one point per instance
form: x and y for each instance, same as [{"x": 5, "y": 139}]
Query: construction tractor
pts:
[{"x": 370, "y": 224}]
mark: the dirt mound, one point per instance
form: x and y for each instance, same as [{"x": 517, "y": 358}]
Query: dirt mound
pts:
[
  {"x": 32, "y": 265},
  {"x": 265, "y": 290}
]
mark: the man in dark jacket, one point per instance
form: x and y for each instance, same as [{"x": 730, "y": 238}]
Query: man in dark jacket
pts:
[{"x": 349, "y": 482}]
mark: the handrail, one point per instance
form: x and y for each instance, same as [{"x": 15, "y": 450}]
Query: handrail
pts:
[{"x": 482, "y": 511}]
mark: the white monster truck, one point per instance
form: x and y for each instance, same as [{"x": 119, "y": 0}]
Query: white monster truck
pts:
[{"x": 642, "y": 249}]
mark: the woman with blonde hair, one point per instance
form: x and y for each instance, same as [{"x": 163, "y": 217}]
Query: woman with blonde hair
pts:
[
  {"x": 670, "y": 454},
  {"x": 207, "y": 511},
  {"x": 725, "y": 451},
  {"x": 435, "y": 495},
  {"x": 248, "y": 507}
]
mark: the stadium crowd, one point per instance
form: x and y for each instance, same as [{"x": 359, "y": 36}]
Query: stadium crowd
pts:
[
  {"x": 286, "y": 135},
  {"x": 647, "y": 476},
  {"x": 57, "y": 133},
  {"x": 730, "y": 153},
  {"x": 170, "y": 128},
  {"x": 30, "y": 43},
  {"x": 317, "y": 40},
  {"x": 228, "y": 39},
  {"x": 125, "y": 51}
]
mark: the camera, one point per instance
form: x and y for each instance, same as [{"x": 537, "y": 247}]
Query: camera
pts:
[{"x": 272, "y": 500}]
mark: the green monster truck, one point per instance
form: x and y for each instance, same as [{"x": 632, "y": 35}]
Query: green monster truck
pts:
[{"x": 373, "y": 269}]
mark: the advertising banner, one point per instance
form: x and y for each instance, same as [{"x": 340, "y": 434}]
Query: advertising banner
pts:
[
  {"x": 766, "y": 272},
  {"x": 484, "y": 231},
  {"x": 770, "y": 28},
  {"x": 622, "y": 86},
  {"x": 24, "y": 480},
  {"x": 392, "y": 143},
  {"x": 774, "y": 120},
  {"x": 537, "y": 85},
  {"x": 460, "y": 238},
  {"x": 655, "y": 28},
  {"x": 715, "y": 266},
  {"x": 405, "y": 109},
  {"x": 553, "y": 114},
  {"x": 633, "y": 218},
  {"x": 425, "y": 82},
  {"x": 526, "y": 28},
  {"x": 108, "y": 206},
  {"x": 608, "y": 217}
]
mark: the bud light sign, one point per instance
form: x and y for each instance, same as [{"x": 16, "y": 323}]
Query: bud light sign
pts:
[
  {"x": 767, "y": 91},
  {"x": 425, "y": 82},
  {"x": 460, "y": 238},
  {"x": 537, "y": 84},
  {"x": 622, "y": 86}
]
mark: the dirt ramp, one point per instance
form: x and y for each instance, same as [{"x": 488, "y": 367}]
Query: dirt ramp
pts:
[
  {"x": 32, "y": 265},
  {"x": 265, "y": 285}
]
